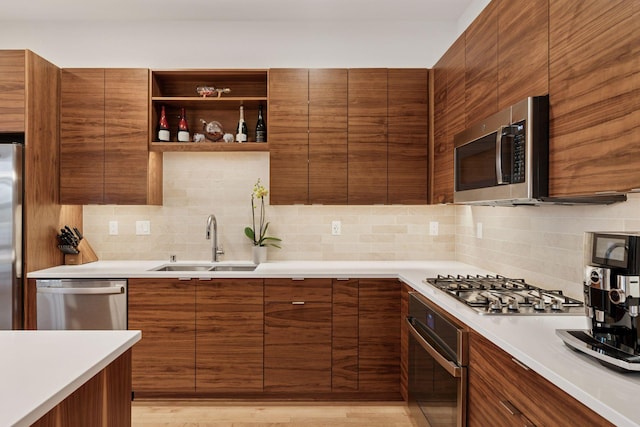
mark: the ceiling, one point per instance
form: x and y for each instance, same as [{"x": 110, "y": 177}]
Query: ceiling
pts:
[{"x": 236, "y": 10}]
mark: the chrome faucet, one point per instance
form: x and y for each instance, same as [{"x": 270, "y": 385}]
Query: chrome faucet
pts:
[{"x": 215, "y": 250}]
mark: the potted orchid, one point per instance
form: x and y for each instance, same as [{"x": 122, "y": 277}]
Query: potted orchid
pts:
[{"x": 258, "y": 232}]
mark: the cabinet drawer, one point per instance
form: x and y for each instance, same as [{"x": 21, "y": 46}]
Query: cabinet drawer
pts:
[{"x": 290, "y": 290}]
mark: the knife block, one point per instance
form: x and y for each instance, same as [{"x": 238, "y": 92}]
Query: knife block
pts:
[{"x": 85, "y": 255}]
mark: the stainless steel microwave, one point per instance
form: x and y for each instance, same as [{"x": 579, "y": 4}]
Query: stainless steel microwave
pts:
[{"x": 504, "y": 159}]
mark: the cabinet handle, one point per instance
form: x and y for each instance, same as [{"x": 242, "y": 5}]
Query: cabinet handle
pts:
[
  {"x": 342, "y": 278},
  {"x": 519, "y": 363},
  {"x": 297, "y": 302},
  {"x": 516, "y": 413},
  {"x": 184, "y": 278},
  {"x": 297, "y": 278},
  {"x": 205, "y": 279}
]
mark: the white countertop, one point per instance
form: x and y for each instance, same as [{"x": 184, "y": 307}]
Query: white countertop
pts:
[
  {"x": 530, "y": 339},
  {"x": 39, "y": 369}
]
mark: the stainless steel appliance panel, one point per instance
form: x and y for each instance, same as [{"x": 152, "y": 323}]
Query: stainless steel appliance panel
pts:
[
  {"x": 11, "y": 165},
  {"x": 87, "y": 304},
  {"x": 437, "y": 366}
]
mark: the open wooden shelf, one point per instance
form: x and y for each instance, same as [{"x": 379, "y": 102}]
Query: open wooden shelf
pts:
[{"x": 207, "y": 146}]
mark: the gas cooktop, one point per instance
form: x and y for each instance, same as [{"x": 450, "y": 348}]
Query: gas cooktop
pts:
[{"x": 498, "y": 295}]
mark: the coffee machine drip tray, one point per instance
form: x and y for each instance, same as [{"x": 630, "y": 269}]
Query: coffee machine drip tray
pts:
[{"x": 611, "y": 357}]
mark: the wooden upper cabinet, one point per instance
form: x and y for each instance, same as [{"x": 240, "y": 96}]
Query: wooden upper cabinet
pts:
[
  {"x": 104, "y": 155},
  {"x": 367, "y": 169},
  {"x": 289, "y": 136},
  {"x": 82, "y": 145},
  {"x": 523, "y": 50},
  {"x": 594, "y": 68},
  {"x": 408, "y": 118},
  {"x": 12, "y": 91},
  {"x": 481, "y": 65},
  {"x": 449, "y": 117},
  {"x": 126, "y": 136},
  {"x": 328, "y": 89}
]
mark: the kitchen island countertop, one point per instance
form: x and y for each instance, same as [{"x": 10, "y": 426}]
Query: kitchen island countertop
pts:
[
  {"x": 530, "y": 339},
  {"x": 39, "y": 369}
]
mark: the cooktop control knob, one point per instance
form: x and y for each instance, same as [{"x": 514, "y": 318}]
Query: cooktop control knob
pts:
[
  {"x": 495, "y": 304},
  {"x": 557, "y": 305},
  {"x": 513, "y": 305},
  {"x": 539, "y": 305}
]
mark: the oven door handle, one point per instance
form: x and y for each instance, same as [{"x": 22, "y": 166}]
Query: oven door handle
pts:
[{"x": 449, "y": 366}]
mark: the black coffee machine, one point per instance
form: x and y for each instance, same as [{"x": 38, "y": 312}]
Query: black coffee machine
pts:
[{"x": 612, "y": 300}]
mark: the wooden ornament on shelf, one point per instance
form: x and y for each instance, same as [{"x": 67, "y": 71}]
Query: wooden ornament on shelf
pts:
[{"x": 85, "y": 254}]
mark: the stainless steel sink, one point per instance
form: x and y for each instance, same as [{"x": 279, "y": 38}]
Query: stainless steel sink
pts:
[
  {"x": 203, "y": 267},
  {"x": 233, "y": 268}
]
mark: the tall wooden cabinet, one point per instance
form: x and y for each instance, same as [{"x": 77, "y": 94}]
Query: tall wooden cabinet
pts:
[
  {"x": 594, "y": 70},
  {"x": 29, "y": 87},
  {"x": 104, "y": 154}
]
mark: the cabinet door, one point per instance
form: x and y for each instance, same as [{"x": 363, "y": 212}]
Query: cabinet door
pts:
[
  {"x": 229, "y": 335},
  {"x": 328, "y": 136},
  {"x": 297, "y": 335},
  {"x": 12, "y": 90},
  {"x": 379, "y": 335},
  {"x": 449, "y": 117},
  {"x": 82, "y": 159},
  {"x": 164, "y": 310},
  {"x": 126, "y": 136},
  {"x": 594, "y": 63},
  {"x": 408, "y": 115},
  {"x": 367, "y": 169},
  {"x": 494, "y": 374},
  {"x": 344, "y": 352},
  {"x": 481, "y": 65},
  {"x": 523, "y": 50},
  {"x": 104, "y": 155},
  {"x": 289, "y": 136}
]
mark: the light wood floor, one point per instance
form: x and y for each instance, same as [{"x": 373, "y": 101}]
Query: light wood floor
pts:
[{"x": 251, "y": 414}]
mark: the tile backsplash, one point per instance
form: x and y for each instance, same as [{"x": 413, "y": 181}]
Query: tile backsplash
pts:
[
  {"x": 199, "y": 184},
  {"x": 543, "y": 245}
]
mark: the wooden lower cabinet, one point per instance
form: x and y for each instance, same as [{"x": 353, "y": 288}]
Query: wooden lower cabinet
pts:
[
  {"x": 379, "y": 322},
  {"x": 164, "y": 310},
  {"x": 103, "y": 401},
  {"x": 332, "y": 338},
  {"x": 504, "y": 393},
  {"x": 229, "y": 335},
  {"x": 297, "y": 335}
]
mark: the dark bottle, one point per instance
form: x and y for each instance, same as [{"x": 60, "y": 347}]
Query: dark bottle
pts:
[
  {"x": 241, "y": 130},
  {"x": 183, "y": 128},
  {"x": 261, "y": 128},
  {"x": 163, "y": 127}
]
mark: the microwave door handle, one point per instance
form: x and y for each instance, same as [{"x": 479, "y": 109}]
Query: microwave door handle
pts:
[{"x": 499, "y": 155}]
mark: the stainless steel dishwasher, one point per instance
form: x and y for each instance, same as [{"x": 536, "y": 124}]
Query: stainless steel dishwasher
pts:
[{"x": 93, "y": 304}]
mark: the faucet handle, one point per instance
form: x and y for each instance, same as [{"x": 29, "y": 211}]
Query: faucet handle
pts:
[{"x": 219, "y": 250}]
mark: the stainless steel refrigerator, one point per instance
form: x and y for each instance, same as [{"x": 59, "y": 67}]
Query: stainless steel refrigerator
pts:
[{"x": 11, "y": 198}]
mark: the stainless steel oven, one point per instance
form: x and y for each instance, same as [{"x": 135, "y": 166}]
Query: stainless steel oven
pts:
[{"x": 437, "y": 366}]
